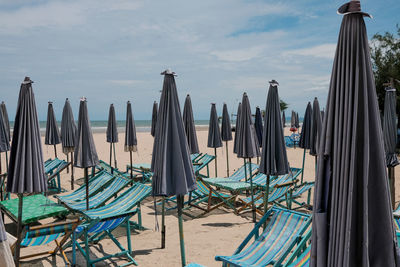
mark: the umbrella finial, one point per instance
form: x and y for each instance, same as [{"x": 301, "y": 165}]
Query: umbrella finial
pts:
[
  {"x": 83, "y": 98},
  {"x": 352, "y": 7},
  {"x": 27, "y": 80},
  {"x": 273, "y": 82},
  {"x": 168, "y": 72}
]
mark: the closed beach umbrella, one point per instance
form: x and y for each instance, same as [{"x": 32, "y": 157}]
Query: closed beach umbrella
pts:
[
  {"x": 26, "y": 169},
  {"x": 390, "y": 137},
  {"x": 171, "y": 164},
  {"x": 273, "y": 157},
  {"x": 190, "y": 128},
  {"x": 297, "y": 120},
  {"x": 154, "y": 118},
  {"x": 6, "y": 258},
  {"x": 322, "y": 115},
  {"x": 226, "y": 133},
  {"x": 85, "y": 150},
  {"x": 130, "y": 135},
  {"x": 352, "y": 221},
  {"x": 6, "y": 119},
  {"x": 248, "y": 147},
  {"x": 239, "y": 110},
  {"x": 52, "y": 136},
  {"x": 316, "y": 128},
  {"x": 293, "y": 119},
  {"x": 4, "y": 143},
  {"x": 305, "y": 136},
  {"x": 214, "y": 134},
  {"x": 258, "y": 124},
  {"x": 112, "y": 135},
  {"x": 68, "y": 135},
  {"x": 283, "y": 119}
]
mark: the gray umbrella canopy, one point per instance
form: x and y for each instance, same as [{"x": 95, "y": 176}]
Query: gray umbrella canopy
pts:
[
  {"x": 68, "y": 128},
  {"x": 237, "y": 126},
  {"x": 112, "y": 132},
  {"x": 258, "y": 124},
  {"x": 247, "y": 144},
  {"x": 305, "y": 136},
  {"x": 390, "y": 127},
  {"x": 52, "y": 136},
  {"x": 85, "y": 150},
  {"x": 130, "y": 130},
  {"x": 226, "y": 129},
  {"x": 352, "y": 216},
  {"x": 171, "y": 163},
  {"x": 26, "y": 168},
  {"x": 214, "y": 133},
  {"x": 283, "y": 119},
  {"x": 273, "y": 157},
  {"x": 6, "y": 119},
  {"x": 297, "y": 121},
  {"x": 316, "y": 127},
  {"x": 190, "y": 128},
  {"x": 293, "y": 119},
  {"x": 154, "y": 118},
  {"x": 322, "y": 115},
  {"x": 4, "y": 141}
]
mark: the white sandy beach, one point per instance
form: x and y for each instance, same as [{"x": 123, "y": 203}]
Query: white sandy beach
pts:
[{"x": 217, "y": 233}]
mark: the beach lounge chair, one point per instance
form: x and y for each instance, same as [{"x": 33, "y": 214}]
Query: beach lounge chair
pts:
[
  {"x": 274, "y": 243},
  {"x": 292, "y": 140},
  {"x": 297, "y": 192},
  {"x": 53, "y": 169},
  {"x": 238, "y": 175},
  {"x": 300, "y": 257},
  {"x": 100, "y": 223},
  {"x": 96, "y": 183},
  {"x": 278, "y": 194},
  {"x": 118, "y": 183},
  {"x": 59, "y": 232},
  {"x": 3, "y": 194},
  {"x": 260, "y": 179},
  {"x": 201, "y": 163}
]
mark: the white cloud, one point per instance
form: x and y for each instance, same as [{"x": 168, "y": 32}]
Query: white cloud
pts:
[
  {"x": 125, "y": 82},
  {"x": 238, "y": 55},
  {"x": 326, "y": 51}
]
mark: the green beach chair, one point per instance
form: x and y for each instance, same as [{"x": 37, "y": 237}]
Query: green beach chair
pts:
[
  {"x": 301, "y": 255},
  {"x": 201, "y": 163},
  {"x": 272, "y": 245},
  {"x": 297, "y": 192},
  {"x": 238, "y": 175},
  {"x": 58, "y": 232},
  {"x": 99, "y": 223},
  {"x": 96, "y": 183},
  {"x": 53, "y": 169}
]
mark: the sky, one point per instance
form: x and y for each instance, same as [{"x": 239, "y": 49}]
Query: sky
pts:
[{"x": 114, "y": 51}]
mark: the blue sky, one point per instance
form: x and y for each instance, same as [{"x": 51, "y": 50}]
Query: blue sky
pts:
[{"x": 114, "y": 51}]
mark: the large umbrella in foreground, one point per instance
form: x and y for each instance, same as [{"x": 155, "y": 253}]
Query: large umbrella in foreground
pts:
[
  {"x": 226, "y": 133},
  {"x": 352, "y": 221},
  {"x": 6, "y": 258},
  {"x": 273, "y": 158},
  {"x": 112, "y": 135},
  {"x": 68, "y": 134},
  {"x": 190, "y": 128},
  {"x": 130, "y": 135},
  {"x": 26, "y": 169},
  {"x": 154, "y": 118},
  {"x": 247, "y": 143},
  {"x": 4, "y": 143},
  {"x": 390, "y": 137},
  {"x": 85, "y": 149},
  {"x": 171, "y": 164},
  {"x": 214, "y": 134},
  {"x": 305, "y": 136},
  {"x": 52, "y": 136}
]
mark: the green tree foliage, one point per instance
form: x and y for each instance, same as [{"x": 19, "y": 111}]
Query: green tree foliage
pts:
[
  {"x": 385, "y": 53},
  {"x": 283, "y": 105}
]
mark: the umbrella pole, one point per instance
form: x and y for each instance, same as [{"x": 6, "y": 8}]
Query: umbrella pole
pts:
[
  {"x": 216, "y": 169},
  {"x": 115, "y": 157},
  {"x": 112, "y": 169},
  {"x": 87, "y": 187},
  {"x": 1, "y": 171},
  {"x": 258, "y": 160},
  {"x": 7, "y": 161},
  {"x": 19, "y": 230},
  {"x": 163, "y": 223},
  {"x": 55, "y": 151},
  {"x": 181, "y": 238},
  {"x": 392, "y": 186},
  {"x": 227, "y": 160},
  {"x": 131, "y": 167},
  {"x": 266, "y": 195},
  {"x": 72, "y": 171},
  {"x": 253, "y": 208},
  {"x": 302, "y": 168},
  {"x": 67, "y": 161},
  {"x": 245, "y": 170}
]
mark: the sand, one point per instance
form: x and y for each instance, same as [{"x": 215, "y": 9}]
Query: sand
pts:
[{"x": 217, "y": 233}]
